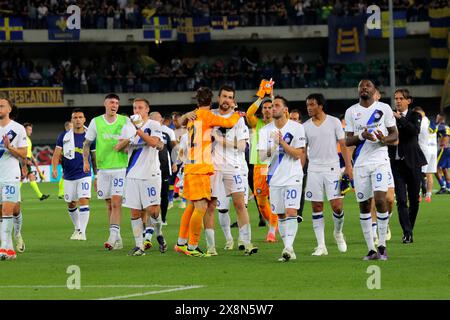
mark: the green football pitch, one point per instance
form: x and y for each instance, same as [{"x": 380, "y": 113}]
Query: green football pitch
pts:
[{"x": 416, "y": 271}]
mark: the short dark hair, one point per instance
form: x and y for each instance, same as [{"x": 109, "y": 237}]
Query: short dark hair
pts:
[
  {"x": 285, "y": 102},
  {"x": 418, "y": 109},
  {"x": 204, "y": 96},
  {"x": 27, "y": 124},
  {"x": 320, "y": 99},
  {"x": 227, "y": 88},
  {"x": 77, "y": 110},
  {"x": 112, "y": 96},
  {"x": 143, "y": 100},
  {"x": 405, "y": 93}
]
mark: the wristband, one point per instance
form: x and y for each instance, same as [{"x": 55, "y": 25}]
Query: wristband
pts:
[{"x": 360, "y": 137}]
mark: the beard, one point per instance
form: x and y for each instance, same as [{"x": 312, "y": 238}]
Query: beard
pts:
[
  {"x": 224, "y": 107},
  {"x": 365, "y": 96}
]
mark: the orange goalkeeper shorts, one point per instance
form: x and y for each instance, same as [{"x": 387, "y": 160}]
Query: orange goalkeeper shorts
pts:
[
  {"x": 197, "y": 187},
  {"x": 260, "y": 186}
]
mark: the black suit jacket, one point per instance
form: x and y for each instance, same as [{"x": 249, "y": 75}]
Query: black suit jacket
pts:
[{"x": 408, "y": 145}]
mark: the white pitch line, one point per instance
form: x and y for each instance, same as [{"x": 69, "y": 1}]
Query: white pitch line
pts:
[
  {"x": 150, "y": 293},
  {"x": 88, "y": 286}
]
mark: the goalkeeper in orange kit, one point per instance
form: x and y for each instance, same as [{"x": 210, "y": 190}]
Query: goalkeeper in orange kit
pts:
[{"x": 197, "y": 172}]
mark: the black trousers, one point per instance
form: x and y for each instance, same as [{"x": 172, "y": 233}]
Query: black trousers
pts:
[
  {"x": 164, "y": 196},
  {"x": 407, "y": 187}
]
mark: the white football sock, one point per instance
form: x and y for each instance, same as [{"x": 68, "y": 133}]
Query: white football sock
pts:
[
  {"x": 136, "y": 226},
  {"x": 383, "y": 220},
  {"x": 338, "y": 220},
  {"x": 374, "y": 229},
  {"x": 7, "y": 226},
  {"x": 17, "y": 221},
  {"x": 319, "y": 228},
  {"x": 182, "y": 241},
  {"x": 245, "y": 233},
  {"x": 114, "y": 233},
  {"x": 366, "y": 225},
  {"x": 282, "y": 229},
  {"x": 73, "y": 213},
  {"x": 83, "y": 218},
  {"x": 291, "y": 232},
  {"x": 210, "y": 241},
  {"x": 157, "y": 223},
  {"x": 225, "y": 222}
]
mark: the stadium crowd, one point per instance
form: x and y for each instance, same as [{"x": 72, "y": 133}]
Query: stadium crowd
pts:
[
  {"x": 117, "y": 70},
  {"x": 127, "y": 14}
]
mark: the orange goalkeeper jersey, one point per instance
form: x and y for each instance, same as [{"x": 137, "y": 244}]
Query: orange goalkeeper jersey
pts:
[{"x": 199, "y": 140}]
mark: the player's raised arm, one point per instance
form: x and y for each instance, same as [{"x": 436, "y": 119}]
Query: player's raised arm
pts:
[{"x": 251, "y": 111}]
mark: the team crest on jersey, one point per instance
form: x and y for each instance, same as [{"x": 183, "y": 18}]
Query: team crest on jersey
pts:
[
  {"x": 377, "y": 115},
  {"x": 309, "y": 194},
  {"x": 360, "y": 195},
  {"x": 100, "y": 193},
  {"x": 258, "y": 191}
]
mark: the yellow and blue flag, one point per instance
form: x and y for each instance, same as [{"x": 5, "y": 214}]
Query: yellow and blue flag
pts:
[
  {"x": 157, "y": 28},
  {"x": 193, "y": 29},
  {"x": 439, "y": 38},
  {"x": 11, "y": 29},
  {"x": 224, "y": 22},
  {"x": 346, "y": 39},
  {"x": 58, "y": 30},
  {"x": 399, "y": 18}
]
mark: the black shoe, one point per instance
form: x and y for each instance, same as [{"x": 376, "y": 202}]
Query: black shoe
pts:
[
  {"x": 60, "y": 197},
  {"x": 162, "y": 244},
  {"x": 442, "y": 191},
  {"x": 44, "y": 196},
  {"x": 234, "y": 225},
  {"x": 407, "y": 239},
  {"x": 261, "y": 223},
  {"x": 299, "y": 219}
]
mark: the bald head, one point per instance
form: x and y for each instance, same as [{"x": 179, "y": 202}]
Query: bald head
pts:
[{"x": 155, "y": 115}]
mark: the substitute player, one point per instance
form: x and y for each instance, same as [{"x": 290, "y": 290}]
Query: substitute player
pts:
[
  {"x": 322, "y": 133},
  {"x": 260, "y": 186},
  {"x": 13, "y": 147},
  {"x": 67, "y": 126},
  {"x": 370, "y": 126},
  {"x": 31, "y": 160},
  {"x": 198, "y": 171},
  {"x": 143, "y": 177},
  {"x": 428, "y": 145},
  {"x": 77, "y": 183},
  {"x": 111, "y": 164},
  {"x": 282, "y": 142},
  {"x": 230, "y": 177}
]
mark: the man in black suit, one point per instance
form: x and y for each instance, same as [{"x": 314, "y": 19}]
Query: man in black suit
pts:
[{"x": 406, "y": 161}]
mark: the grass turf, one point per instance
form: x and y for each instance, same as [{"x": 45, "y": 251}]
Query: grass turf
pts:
[{"x": 416, "y": 271}]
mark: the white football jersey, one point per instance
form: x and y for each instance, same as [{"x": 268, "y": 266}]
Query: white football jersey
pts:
[
  {"x": 427, "y": 140},
  {"x": 322, "y": 143},
  {"x": 143, "y": 160},
  {"x": 226, "y": 158},
  {"x": 9, "y": 165},
  {"x": 378, "y": 116},
  {"x": 284, "y": 170}
]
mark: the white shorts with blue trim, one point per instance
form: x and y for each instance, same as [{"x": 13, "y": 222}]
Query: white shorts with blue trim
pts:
[
  {"x": 369, "y": 179},
  {"x": 10, "y": 191},
  {"x": 282, "y": 198}
]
